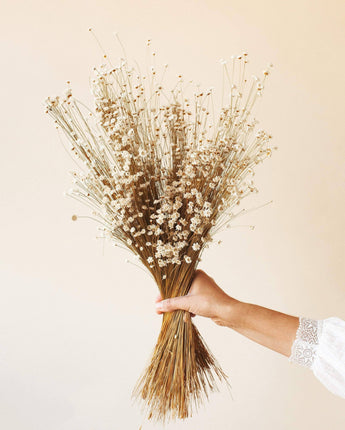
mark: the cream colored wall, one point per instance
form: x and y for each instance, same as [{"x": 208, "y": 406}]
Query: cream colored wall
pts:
[{"x": 76, "y": 325}]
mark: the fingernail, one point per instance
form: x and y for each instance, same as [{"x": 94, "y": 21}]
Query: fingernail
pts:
[{"x": 159, "y": 306}]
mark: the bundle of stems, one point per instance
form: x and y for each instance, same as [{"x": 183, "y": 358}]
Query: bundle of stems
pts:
[{"x": 162, "y": 180}]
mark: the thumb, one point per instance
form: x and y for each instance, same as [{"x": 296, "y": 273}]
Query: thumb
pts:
[{"x": 174, "y": 303}]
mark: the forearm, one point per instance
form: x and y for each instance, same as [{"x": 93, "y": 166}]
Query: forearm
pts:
[{"x": 272, "y": 329}]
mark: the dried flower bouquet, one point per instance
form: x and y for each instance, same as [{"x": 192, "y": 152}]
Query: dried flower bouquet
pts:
[{"x": 162, "y": 180}]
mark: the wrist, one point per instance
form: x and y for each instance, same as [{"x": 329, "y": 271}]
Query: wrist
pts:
[
  {"x": 229, "y": 313},
  {"x": 232, "y": 312}
]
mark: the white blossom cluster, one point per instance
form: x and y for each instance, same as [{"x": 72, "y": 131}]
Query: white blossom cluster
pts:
[{"x": 160, "y": 179}]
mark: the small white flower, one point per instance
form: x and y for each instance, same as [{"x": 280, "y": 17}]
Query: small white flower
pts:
[
  {"x": 207, "y": 213},
  {"x": 160, "y": 219},
  {"x": 188, "y": 259},
  {"x": 150, "y": 260},
  {"x": 196, "y": 246},
  {"x": 174, "y": 216},
  {"x": 195, "y": 220},
  {"x": 177, "y": 205}
]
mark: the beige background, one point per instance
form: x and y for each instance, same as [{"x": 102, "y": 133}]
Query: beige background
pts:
[{"x": 77, "y": 325}]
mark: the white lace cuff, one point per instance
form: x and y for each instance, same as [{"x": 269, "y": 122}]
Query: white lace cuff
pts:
[
  {"x": 320, "y": 346},
  {"x": 306, "y": 343}
]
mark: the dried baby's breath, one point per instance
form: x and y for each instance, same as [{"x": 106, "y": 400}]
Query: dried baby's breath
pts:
[{"x": 162, "y": 179}]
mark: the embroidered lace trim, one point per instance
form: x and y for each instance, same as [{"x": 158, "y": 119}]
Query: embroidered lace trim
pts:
[{"x": 304, "y": 348}]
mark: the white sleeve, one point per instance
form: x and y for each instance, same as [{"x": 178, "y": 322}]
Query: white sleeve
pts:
[{"x": 320, "y": 346}]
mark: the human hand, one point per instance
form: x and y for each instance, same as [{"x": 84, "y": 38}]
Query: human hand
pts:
[{"x": 205, "y": 298}]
